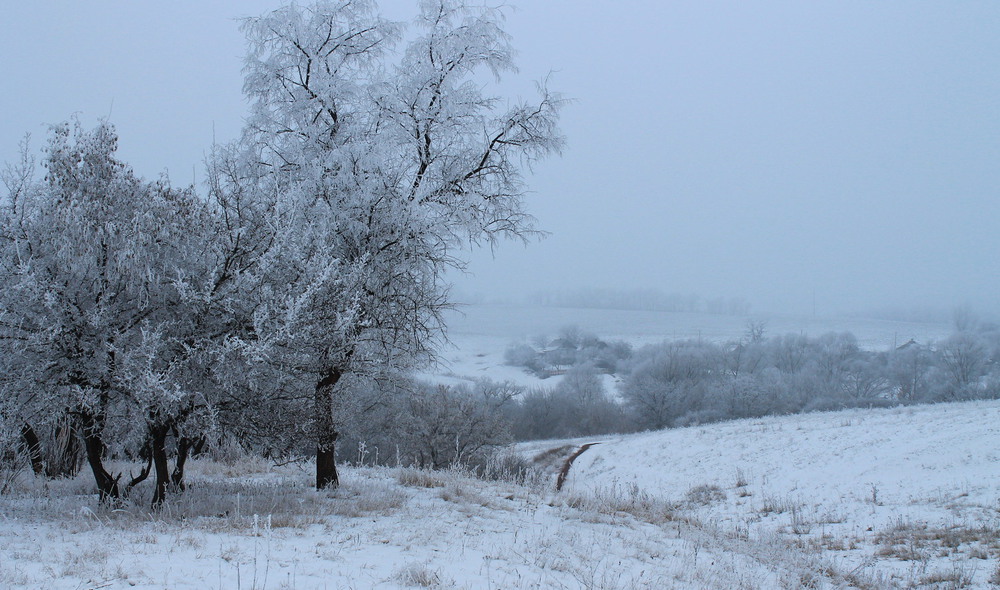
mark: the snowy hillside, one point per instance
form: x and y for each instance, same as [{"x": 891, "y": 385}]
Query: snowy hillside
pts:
[
  {"x": 898, "y": 498},
  {"x": 902, "y": 492}
]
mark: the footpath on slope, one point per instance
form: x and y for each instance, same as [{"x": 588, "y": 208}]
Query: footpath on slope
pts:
[{"x": 568, "y": 463}]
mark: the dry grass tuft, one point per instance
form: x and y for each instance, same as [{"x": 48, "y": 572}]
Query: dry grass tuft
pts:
[
  {"x": 776, "y": 505},
  {"x": 418, "y": 575},
  {"x": 741, "y": 480},
  {"x": 952, "y": 579},
  {"x": 705, "y": 495},
  {"x": 995, "y": 578},
  {"x": 628, "y": 500},
  {"x": 421, "y": 478},
  {"x": 13, "y": 475},
  {"x": 916, "y": 541}
]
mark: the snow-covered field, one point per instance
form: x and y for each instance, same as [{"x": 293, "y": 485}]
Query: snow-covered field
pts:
[
  {"x": 895, "y": 498},
  {"x": 898, "y": 497}
]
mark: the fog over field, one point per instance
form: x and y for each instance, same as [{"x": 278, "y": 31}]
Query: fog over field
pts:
[
  {"x": 826, "y": 156},
  {"x": 447, "y": 294}
]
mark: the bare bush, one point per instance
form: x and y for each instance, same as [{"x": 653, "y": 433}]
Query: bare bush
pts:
[{"x": 510, "y": 467}]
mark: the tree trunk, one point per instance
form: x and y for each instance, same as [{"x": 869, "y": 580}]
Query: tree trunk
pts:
[
  {"x": 185, "y": 447},
  {"x": 91, "y": 428},
  {"x": 158, "y": 442},
  {"x": 139, "y": 478},
  {"x": 33, "y": 447},
  {"x": 326, "y": 433}
]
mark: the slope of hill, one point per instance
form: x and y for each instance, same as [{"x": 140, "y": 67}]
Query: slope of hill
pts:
[{"x": 896, "y": 492}]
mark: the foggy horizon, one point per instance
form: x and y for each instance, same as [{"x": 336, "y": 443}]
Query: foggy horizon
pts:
[{"x": 830, "y": 158}]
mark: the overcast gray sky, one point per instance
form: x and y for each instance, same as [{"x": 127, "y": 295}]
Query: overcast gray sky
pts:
[{"x": 840, "y": 151}]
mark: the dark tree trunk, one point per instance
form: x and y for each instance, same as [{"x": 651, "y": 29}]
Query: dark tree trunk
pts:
[
  {"x": 326, "y": 465},
  {"x": 139, "y": 478},
  {"x": 185, "y": 448},
  {"x": 33, "y": 447},
  {"x": 91, "y": 428},
  {"x": 158, "y": 442},
  {"x": 144, "y": 453},
  {"x": 326, "y": 433}
]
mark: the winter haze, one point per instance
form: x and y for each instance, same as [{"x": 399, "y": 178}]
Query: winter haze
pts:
[{"x": 837, "y": 156}]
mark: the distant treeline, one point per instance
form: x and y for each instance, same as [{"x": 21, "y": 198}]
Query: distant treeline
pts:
[
  {"x": 641, "y": 300},
  {"x": 687, "y": 382}
]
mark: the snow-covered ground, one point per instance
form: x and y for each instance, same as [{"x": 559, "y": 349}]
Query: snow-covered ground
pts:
[
  {"x": 383, "y": 529},
  {"x": 904, "y": 496},
  {"x": 891, "y": 498}
]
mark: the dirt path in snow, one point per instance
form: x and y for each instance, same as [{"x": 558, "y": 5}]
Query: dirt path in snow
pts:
[{"x": 564, "y": 472}]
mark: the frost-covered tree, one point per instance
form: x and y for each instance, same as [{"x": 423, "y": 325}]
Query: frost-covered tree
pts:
[
  {"x": 586, "y": 407},
  {"x": 670, "y": 380},
  {"x": 91, "y": 262},
  {"x": 964, "y": 357},
  {"x": 378, "y": 161},
  {"x": 445, "y": 426}
]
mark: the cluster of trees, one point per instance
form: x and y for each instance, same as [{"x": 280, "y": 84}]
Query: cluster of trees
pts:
[
  {"x": 434, "y": 425},
  {"x": 571, "y": 348},
  {"x": 143, "y": 320},
  {"x": 579, "y": 405},
  {"x": 686, "y": 382}
]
